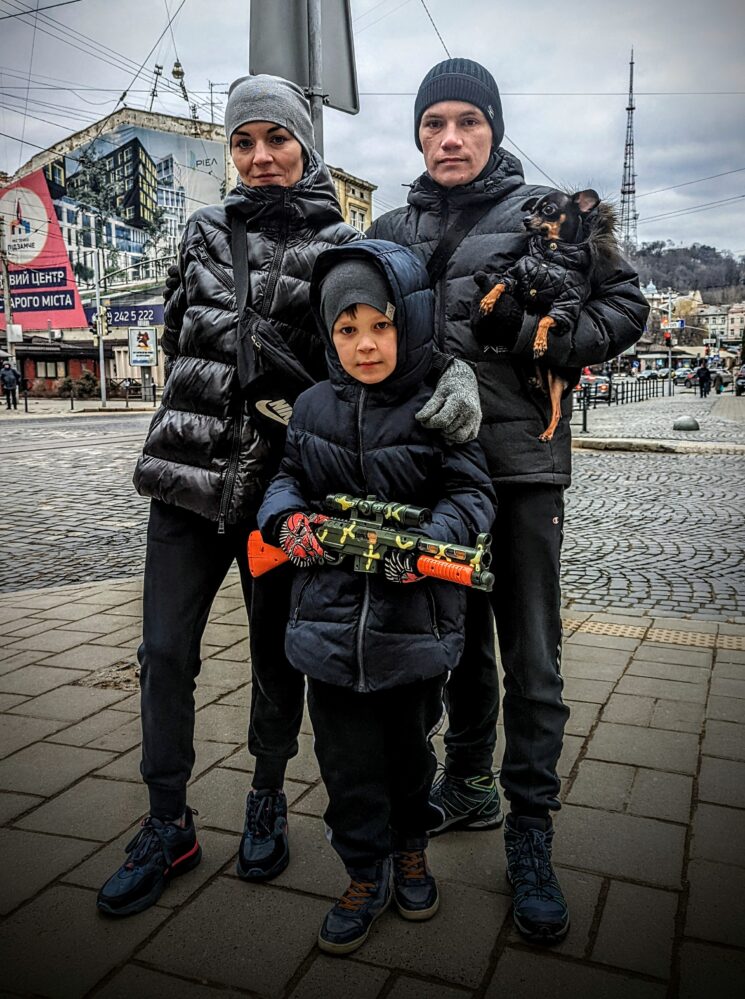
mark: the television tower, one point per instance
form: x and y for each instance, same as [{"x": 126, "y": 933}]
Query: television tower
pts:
[{"x": 628, "y": 184}]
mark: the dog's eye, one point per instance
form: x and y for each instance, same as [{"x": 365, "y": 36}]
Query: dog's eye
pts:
[{"x": 549, "y": 210}]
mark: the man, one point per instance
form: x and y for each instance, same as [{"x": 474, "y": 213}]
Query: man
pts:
[
  {"x": 10, "y": 379},
  {"x": 476, "y": 189}
]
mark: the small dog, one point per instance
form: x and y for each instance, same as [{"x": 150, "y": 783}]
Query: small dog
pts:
[{"x": 552, "y": 279}]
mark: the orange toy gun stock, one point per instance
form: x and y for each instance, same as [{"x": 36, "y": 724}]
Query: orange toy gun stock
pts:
[{"x": 372, "y": 529}]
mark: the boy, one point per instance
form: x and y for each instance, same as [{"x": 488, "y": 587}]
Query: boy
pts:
[{"x": 376, "y": 655}]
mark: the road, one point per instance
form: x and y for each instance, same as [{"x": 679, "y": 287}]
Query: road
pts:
[{"x": 648, "y": 532}]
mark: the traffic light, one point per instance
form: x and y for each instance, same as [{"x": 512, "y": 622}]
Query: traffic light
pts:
[
  {"x": 706, "y": 351},
  {"x": 667, "y": 338},
  {"x": 104, "y": 321}
]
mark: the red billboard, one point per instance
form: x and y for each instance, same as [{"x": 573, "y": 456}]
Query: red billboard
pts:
[{"x": 43, "y": 292}]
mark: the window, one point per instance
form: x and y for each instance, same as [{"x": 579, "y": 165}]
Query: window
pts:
[
  {"x": 51, "y": 369},
  {"x": 357, "y": 218}
]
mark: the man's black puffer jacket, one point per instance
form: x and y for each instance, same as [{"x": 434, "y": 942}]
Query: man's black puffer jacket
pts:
[
  {"x": 351, "y": 628},
  {"x": 515, "y": 409},
  {"x": 202, "y": 452}
]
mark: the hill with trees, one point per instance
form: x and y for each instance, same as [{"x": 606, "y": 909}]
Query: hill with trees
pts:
[{"x": 718, "y": 275}]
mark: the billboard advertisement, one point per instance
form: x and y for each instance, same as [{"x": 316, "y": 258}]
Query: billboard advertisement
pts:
[{"x": 43, "y": 291}]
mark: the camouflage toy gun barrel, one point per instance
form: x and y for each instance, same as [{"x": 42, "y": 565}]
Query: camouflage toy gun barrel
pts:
[{"x": 369, "y": 528}]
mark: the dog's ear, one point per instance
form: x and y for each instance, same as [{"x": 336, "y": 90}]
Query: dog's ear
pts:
[
  {"x": 586, "y": 200},
  {"x": 529, "y": 205}
]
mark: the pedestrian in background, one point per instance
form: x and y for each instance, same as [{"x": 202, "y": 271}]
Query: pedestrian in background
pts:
[
  {"x": 466, "y": 212},
  {"x": 704, "y": 379},
  {"x": 10, "y": 379}
]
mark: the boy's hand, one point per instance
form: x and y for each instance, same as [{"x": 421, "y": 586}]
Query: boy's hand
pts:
[
  {"x": 299, "y": 543},
  {"x": 400, "y": 567},
  {"x": 454, "y": 408},
  {"x": 502, "y": 325}
]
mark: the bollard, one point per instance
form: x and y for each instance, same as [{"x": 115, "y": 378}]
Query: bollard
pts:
[
  {"x": 585, "y": 406},
  {"x": 72, "y": 394},
  {"x": 126, "y": 396},
  {"x": 25, "y": 400},
  {"x": 155, "y": 395}
]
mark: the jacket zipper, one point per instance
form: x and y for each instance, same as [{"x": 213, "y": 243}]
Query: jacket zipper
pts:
[
  {"x": 301, "y": 594},
  {"x": 227, "y": 489},
  {"x": 361, "y": 686},
  {"x": 442, "y": 285},
  {"x": 215, "y": 270},
  {"x": 432, "y": 612}
]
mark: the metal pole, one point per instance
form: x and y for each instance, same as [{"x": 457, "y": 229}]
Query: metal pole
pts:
[
  {"x": 99, "y": 318},
  {"x": 315, "y": 71},
  {"x": 669, "y": 329},
  {"x": 7, "y": 304}
]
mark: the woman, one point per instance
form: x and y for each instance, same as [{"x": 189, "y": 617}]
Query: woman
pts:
[{"x": 206, "y": 463}]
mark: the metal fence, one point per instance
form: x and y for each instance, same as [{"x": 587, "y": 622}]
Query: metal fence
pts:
[{"x": 621, "y": 391}]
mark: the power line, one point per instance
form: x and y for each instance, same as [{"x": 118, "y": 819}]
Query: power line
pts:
[
  {"x": 688, "y": 211},
  {"x": 38, "y": 10},
  {"x": 523, "y": 153},
  {"x": 382, "y": 16},
  {"x": 24, "y": 141},
  {"x": 437, "y": 30},
  {"x": 686, "y": 183},
  {"x": 578, "y": 93}
]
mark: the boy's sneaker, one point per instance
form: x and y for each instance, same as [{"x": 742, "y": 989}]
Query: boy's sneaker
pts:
[
  {"x": 466, "y": 802},
  {"x": 414, "y": 888},
  {"x": 539, "y": 908},
  {"x": 264, "y": 851},
  {"x": 159, "y": 852},
  {"x": 348, "y": 923}
]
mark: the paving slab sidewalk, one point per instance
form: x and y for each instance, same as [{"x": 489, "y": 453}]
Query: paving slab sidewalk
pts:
[{"x": 648, "y": 846}]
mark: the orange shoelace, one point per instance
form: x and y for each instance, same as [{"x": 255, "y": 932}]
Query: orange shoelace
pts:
[
  {"x": 411, "y": 863},
  {"x": 356, "y": 895}
]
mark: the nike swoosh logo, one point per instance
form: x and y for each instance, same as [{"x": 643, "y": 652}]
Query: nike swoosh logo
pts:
[{"x": 276, "y": 409}]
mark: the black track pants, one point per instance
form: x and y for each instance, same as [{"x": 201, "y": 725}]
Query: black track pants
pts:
[
  {"x": 186, "y": 562},
  {"x": 526, "y": 603},
  {"x": 377, "y": 764}
]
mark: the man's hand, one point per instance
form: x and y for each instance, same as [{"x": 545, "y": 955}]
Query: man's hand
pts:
[
  {"x": 173, "y": 280},
  {"x": 299, "y": 543},
  {"x": 400, "y": 567},
  {"x": 454, "y": 408},
  {"x": 499, "y": 327}
]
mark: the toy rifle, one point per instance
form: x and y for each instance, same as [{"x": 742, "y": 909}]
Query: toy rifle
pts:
[{"x": 371, "y": 529}]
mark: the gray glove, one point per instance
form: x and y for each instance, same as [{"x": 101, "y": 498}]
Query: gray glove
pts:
[{"x": 454, "y": 408}]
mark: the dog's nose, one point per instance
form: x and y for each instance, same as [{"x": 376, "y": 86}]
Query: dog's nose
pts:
[{"x": 527, "y": 220}]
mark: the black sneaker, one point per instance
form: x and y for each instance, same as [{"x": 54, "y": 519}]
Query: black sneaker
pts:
[
  {"x": 465, "y": 802},
  {"x": 414, "y": 888},
  {"x": 348, "y": 923},
  {"x": 539, "y": 908},
  {"x": 264, "y": 851},
  {"x": 160, "y": 851}
]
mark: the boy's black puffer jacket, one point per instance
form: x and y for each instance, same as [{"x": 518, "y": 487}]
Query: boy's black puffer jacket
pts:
[
  {"x": 354, "y": 629},
  {"x": 202, "y": 452},
  {"x": 515, "y": 410}
]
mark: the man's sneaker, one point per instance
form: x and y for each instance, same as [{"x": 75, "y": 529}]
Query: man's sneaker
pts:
[
  {"x": 539, "y": 908},
  {"x": 264, "y": 851},
  {"x": 465, "y": 802},
  {"x": 414, "y": 888},
  {"x": 348, "y": 923},
  {"x": 159, "y": 852}
]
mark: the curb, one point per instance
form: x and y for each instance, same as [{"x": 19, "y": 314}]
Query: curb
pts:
[{"x": 655, "y": 446}]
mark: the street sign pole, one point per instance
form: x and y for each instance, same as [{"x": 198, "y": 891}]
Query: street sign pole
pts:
[
  {"x": 7, "y": 302},
  {"x": 315, "y": 72},
  {"x": 99, "y": 319}
]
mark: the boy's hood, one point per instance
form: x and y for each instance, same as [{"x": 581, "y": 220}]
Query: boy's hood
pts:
[{"x": 414, "y": 318}]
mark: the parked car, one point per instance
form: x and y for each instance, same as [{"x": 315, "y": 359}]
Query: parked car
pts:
[
  {"x": 691, "y": 380},
  {"x": 648, "y": 373},
  {"x": 665, "y": 373},
  {"x": 740, "y": 381},
  {"x": 682, "y": 373},
  {"x": 598, "y": 387}
]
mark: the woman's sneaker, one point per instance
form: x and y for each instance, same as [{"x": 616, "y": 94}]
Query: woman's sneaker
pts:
[
  {"x": 348, "y": 923},
  {"x": 264, "y": 851},
  {"x": 414, "y": 889},
  {"x": 160, "y": 851},
  {"x": 465, "y": 802},
  {"x": 539, "y": 908}
]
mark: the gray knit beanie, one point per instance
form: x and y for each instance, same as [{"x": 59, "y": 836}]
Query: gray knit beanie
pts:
[
  {"x": 460, "y": 80},
  {"x": 356, "y": 281},
  {"x": 270, "y": 98}
]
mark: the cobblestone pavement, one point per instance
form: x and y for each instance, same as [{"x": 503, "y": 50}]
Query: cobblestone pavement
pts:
[
  {"x": 647, "y": 531},
  {"x": 721, "y": 418}
]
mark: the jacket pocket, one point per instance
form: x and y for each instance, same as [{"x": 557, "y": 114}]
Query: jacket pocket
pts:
[
  {"x": 299, "y": 600},
  {"x": 432, "y": 610}
]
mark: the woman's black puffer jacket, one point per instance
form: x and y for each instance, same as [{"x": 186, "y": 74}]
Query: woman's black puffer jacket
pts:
[
  {"x": 515, "y": 409},
  {"x": 356, "y": 629},
  {"x": 202, "y": 452}
]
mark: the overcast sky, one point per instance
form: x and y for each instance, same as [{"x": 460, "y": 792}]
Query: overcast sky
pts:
[{"x": 562, "y": 68}]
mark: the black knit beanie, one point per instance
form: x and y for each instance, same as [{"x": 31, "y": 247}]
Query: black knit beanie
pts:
[
  {"x": 460, "y": 80},
  {"x": 356, "y": 281}
]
